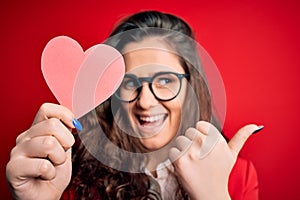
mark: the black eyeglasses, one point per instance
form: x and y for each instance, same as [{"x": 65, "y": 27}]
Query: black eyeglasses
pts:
[{"x": 165, "y": 86}]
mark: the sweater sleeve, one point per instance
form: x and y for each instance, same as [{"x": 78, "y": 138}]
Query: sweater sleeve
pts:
[
  {"x": 68, "y": 194},
  {"x": 243, "y": 181}
]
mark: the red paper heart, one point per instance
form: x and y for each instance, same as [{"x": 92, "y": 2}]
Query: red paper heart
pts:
[{"x": 81, "y": 80}]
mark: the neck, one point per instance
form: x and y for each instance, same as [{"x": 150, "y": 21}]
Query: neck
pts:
[{"x": 157, "y": 157}]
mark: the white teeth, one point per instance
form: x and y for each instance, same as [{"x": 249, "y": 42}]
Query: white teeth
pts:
[{"x": 152, "y": 118}]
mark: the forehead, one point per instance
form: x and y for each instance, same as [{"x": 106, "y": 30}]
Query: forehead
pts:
[{"x": 151, "y": 55}]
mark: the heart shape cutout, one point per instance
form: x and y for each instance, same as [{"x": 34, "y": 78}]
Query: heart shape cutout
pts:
[{"x": 81, "y": 80}]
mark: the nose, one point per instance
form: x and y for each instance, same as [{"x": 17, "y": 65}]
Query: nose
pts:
[{"x": 146, "y": 99}]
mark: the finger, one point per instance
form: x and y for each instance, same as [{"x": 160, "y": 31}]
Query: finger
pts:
[
  {"x": 49, "y": 127},
  {"x": 21, "y": 168},
  {"x": 197, "y": 138},
  {"x": 205, "y": 127},
  {"x": 197, "y": 148},
  {"x": 191, "y": 133},
  {"x": 183, "y": 143},
  {"x": 50, "y": 110},
  {"x": 41, "y": 147},
  {"x": 64, "y": 171},
  {"x": 239, "y": 139},
  {"x": 212, "y": 137},
  {"x": 174, "y": 154}
]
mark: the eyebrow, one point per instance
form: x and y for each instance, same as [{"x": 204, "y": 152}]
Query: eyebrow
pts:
[{"x": 153, "y": 73}]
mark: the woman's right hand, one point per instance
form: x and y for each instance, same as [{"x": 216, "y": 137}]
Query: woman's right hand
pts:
[{"x": 40, "y": 163}]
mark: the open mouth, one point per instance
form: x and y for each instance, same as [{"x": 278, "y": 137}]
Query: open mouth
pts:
[{"x": 150, "y": 125}]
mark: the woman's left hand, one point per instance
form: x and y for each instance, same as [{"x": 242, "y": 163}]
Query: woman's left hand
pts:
[{"x": 207, "y": 177}]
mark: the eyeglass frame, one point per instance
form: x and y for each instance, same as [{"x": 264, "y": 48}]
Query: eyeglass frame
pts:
[{"x": 149, "y": 80}]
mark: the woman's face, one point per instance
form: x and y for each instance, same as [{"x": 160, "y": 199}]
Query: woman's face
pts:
[{"x": 155, "y": 122}]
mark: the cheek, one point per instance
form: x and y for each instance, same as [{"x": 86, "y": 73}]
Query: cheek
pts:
[
  {"x": 175, "y": 109},
  {"x": 176, "y": 106},
  {"x": 128, "y": 107},
  {"x": 126, "y": 110},
  {"x": 182, "y": 94}
]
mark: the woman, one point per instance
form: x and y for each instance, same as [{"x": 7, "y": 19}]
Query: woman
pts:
[{"x": 160, "y": 113}]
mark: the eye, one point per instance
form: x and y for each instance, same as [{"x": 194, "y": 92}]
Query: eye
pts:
[
  {"x": 163, "y": 81},
  {"x": 129, "y": 84}
]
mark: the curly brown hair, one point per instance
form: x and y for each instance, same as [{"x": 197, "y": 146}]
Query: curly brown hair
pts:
[{"x": 93, "y": 179}]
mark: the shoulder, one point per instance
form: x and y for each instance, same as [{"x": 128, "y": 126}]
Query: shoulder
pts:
[{"x": 243, "y": 181}]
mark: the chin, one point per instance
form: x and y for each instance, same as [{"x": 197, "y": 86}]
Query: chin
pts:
[{"x": 154, "y": 143}]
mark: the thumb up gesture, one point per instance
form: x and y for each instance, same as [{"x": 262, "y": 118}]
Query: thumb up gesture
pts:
[{"x": 203, "y": 159}]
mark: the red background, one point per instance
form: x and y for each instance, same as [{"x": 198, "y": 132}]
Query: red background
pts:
[{"x": 255, "y": 44}]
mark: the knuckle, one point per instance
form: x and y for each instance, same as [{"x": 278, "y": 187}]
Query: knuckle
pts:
[
  {"x": 190, "y": 130},
  {"x": 9, "y": 170},
  {"x": 179, "y": 138},
  {"x": 44, "y": 107},
  {"x": 11, "y": 167},
  {"x": 44, "y": 110},
  {"x": 191, "y": 133},
  {"x": 14, "y": 151},
  {"x": 201, "y": 123},
  {"x": 173, "y": 153},
  {"x": 53, "y": 123},
  {"x": 21, "y": 137},
  {"x": 242, "y": 137},
  {"x": 49, "y": 142},
  {"x": 192, "y": 155},
  {"x": 181, "y": 162},
  {"x": 45, "y": 166}
]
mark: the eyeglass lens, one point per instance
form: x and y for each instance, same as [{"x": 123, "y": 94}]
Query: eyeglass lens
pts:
[{"x": 164, "y": 86}]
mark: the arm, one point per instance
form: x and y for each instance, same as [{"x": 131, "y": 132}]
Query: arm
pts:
[{"x": 243, "y": 181}]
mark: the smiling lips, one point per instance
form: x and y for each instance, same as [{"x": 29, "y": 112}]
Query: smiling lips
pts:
[{"x": 151, "y": 124}]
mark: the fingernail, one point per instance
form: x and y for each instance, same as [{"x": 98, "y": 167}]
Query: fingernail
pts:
[
  {"x": 77, "y": 124},
  {"x": 259, "y": 129}
]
